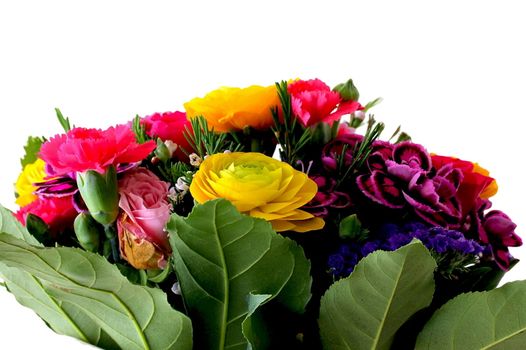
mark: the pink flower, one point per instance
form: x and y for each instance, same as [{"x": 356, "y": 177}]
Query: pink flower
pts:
[
  {"x": 146, "y": 210},
  {"x": 314, "y": 102},
  {"x": 57, "y": 212},
  {"x": 84, "y": 149},
  {"x": 169, "y": 126}
]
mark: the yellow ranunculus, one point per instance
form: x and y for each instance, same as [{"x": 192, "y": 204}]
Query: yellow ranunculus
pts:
[
  {"x": 259, "y": 186},
  {"x": 31, "y": 173},
  {"x": 229, "y": 108}
]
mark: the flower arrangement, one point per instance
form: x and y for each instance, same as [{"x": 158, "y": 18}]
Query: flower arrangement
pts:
[{"x": 180, "y": 230}]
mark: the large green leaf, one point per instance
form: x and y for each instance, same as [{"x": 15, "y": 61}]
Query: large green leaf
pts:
[
  {"x": 88, "y": 290},
  {"x": 482, "y": 320},
  {"x": 364, "y": 310},
  {"x": 9, "y": 224},
  {"x": 230, "y": 264}
]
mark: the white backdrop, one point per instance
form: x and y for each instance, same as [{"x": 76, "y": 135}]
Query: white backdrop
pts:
[{"x": 452, "y": 73}]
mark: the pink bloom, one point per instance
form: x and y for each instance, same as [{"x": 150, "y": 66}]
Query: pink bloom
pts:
[
  {"x": 146, "y": 210},
  {"x": 499, "y": 231},
  {"x": 84, "y": 149},
  {"x": 57, "y": 212},
  {"x": 313, "y": 101},
  {"x": 169, "y": 126}
]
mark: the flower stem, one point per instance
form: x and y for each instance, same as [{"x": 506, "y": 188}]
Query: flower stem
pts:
[{"x": 109, "y": 230}]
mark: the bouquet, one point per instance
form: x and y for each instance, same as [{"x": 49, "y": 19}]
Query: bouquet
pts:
[{"x": 273, "y": 217}]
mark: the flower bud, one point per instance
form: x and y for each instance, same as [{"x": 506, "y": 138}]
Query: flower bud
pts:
[
  {"x": 99, "y": 192},
  {"x": 350, "y": 227},
  {"x": 87, "y": 231},
  {"x": 162, "y": 152},
  {"x": 348, "y": 91}
]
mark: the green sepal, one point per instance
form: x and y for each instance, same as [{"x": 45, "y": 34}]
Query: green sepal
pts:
[
  {"x": 348, "y": 91},
  {"x": 99, "y": 192},
  {"x": 88, "y": 232},
  {"x": 38, "y": 228},
  {"x": 162, "y": 152}
]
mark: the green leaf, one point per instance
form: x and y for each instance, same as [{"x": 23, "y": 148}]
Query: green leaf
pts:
[
  {"x": 63, "y": 121},
  {"x": 480, "y": 320},
  {"x": 10, "y": 225},
  {"x": 87, "y": 288},
  {"x": 228, "y": 265},
  {"x": 364, "y": 310},
  {"x": 63, "y": 318},
  {"x": 31, "y": 149}
]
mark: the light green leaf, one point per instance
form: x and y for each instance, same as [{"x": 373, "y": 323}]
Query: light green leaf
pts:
[
  {"x": 228, "y": 265},
  {"x": 61, "y": 317},
  {"x": 10, "y": 225},
  {"x": 85, "y": 285},
  {"x": 483, "y": 320},
  {"x": 31, "y": 148},
  {"x": 364, "y": 310}
]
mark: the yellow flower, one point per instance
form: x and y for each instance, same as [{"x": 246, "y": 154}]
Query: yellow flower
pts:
[
  {"x": 259, "y": 186},
  {"x": 230, "y": 108},
  {"x": 31, "y": 173}
]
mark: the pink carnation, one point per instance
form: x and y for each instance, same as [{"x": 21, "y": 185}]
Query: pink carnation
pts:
[
  {"x": 313, "y": 101},
  {"x": 57, "y": 212},
  {"x": 169, "y": 126},
  {"x": 84, "y": 149}
]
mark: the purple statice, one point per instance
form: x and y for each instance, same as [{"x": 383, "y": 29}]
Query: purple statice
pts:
[{"x": 451, "y": 248}]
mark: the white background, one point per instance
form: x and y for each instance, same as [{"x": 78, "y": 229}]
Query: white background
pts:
[{"x": 451, "y": 72}]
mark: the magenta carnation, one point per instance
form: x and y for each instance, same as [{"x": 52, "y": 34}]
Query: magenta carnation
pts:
[
  {"x": 84, "y": 149},
  {"x": 169, "y": 126},
  {"x": 313, "y": 101}
]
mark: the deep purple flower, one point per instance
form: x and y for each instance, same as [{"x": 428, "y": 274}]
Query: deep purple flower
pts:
[
  {"x": 499, "y": 231},
  {"x": 391, "y": 237},
  {"x": 402, "y": 176},
  {"x": 326, "y": 197}
]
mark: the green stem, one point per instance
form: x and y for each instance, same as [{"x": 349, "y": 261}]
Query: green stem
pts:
[
  {"x": 111, "y": 235},
  {"x": 3, "y": 284}
]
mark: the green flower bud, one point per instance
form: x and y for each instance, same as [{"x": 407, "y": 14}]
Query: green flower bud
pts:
[
  {"x": 87, "y": 231},
  {"x": 351, "y": 228},
  {"x": 162, "y": 152},
  {"x": 38, "y": 228},
  {"x": 99, "y": 192},
  {"x": 348, "y": 91}
]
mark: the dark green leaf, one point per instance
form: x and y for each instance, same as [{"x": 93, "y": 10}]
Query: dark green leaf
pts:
[
  {"x": 228, "y": 265},
  {"x": 364, "y": 310},
  {"x": 480, "y": 320}
]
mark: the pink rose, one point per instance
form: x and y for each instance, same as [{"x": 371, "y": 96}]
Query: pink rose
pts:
[
  {"x": 313, "y": 101},
  {"x": 169, "y": 126},
  {"x": 145, "y": 212}
]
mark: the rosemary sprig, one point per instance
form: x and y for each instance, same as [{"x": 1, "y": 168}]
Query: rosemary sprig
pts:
[
  {"x": 205, "y": 141},
  {"x": 291, "y": 136},
  {"x": 139, "y": 130},
  {"x": 362, "y": 151}
]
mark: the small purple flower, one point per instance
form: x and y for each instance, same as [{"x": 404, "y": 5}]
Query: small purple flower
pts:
[{"x": 391, "y": 237}]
